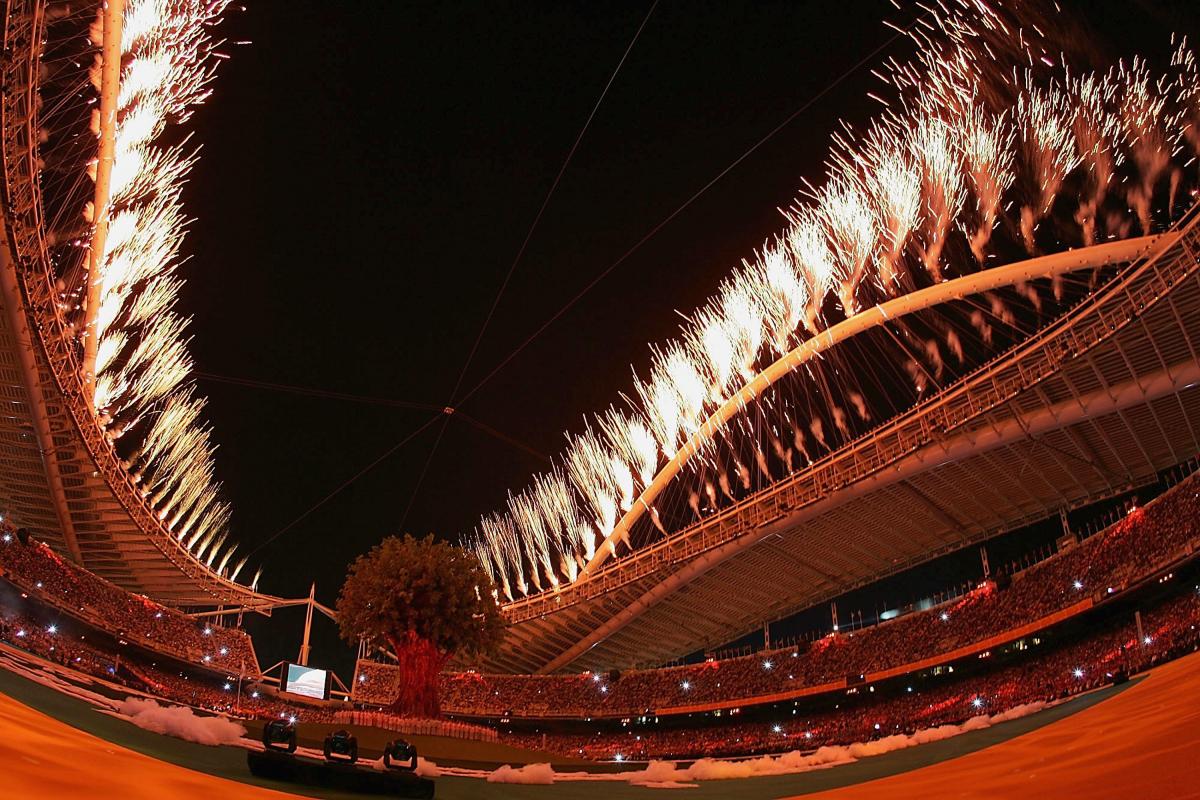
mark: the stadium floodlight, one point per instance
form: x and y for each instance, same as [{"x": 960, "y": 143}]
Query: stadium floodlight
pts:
[
  {"x": 767, "y": 664},
  {"x": 777, "y": 728},
  {"x": 208, "y": 631},
  {"x": 977, "y": 702},
  {"x": 224, "y": 651},
  {"x": 7, "y": 538},
  {"x": 1078, "y": 584},
  {"x": 1077, "y": 672},
  {"x": 685, "y": 685},
  {"x": 1147, "y": 640},
  {"x": 52, "y": 629},
  {"x": 945, "y": 616}
]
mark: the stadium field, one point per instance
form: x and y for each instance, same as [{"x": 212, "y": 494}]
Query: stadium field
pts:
[{"x": 57, "y": 745}]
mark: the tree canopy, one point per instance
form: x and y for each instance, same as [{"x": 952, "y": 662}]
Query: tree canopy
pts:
[{"x": 437, "y": 592}]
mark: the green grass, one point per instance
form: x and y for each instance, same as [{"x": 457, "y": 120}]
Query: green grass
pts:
[{"x": 230, "y": 762}]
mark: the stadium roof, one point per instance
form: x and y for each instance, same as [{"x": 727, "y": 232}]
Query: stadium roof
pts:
[{"x": 1094, "y": 404}]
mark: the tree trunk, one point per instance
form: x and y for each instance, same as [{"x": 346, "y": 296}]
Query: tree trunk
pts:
[{"x": 420, "y": 663}]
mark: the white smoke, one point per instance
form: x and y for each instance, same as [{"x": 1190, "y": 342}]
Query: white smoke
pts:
[
  {"x": 530, "y": 773},
  {"x": 180, "y": 722}
]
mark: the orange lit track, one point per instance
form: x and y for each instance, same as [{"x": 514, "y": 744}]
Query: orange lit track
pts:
[
  {"x": 46, "y": 758},
  {"x": 1141, "y": 743}
]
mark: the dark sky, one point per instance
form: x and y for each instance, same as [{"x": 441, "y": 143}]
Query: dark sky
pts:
[{"x": 369, "y": 171}]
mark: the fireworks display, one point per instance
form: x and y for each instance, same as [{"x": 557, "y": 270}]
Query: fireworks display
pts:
[
  {"x": 140, "y": 377},
  {"x": 985, "y": 134}
]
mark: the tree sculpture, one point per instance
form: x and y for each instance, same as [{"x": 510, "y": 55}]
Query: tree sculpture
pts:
[{"x": 429, "y": 601}]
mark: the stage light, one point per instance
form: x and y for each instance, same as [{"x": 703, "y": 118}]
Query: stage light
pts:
[
  {"x": 685, "y": 685},
  {"x": 254, "y": 695},
  {"x": 362, "y": 678},
  {"x": 1077, "y": 672},
  {"x": 21, "y": 634},
  {"x": 38, "y": 584},
  {"x": 158, "y": 615},
  {"x": 618, "y": 757},
  {"x": 596, "y": 678},
  {"x": 7, "y": 537},
  {"x": 604, "y": 690},
  {"x": 280, "y": 735},
  {"x": 767, "y": 664},
  {"x": 52, "y": 629},
  {"x": 876, "y": 726},
  {"x": 228, "y": 686},
  {"x": 807, "y": 735},
  {"x": 1078, "y": 584},
  {"x": 945, "y": 616},
  {"x": 910, "y": 688},
  {"x": 341, "y": 746},
  {"x": 777, "y": 728},
  {"x": 208, "y": 631},
  {"x": 977, "y": 702},
  {"x": 400, "y": 755},
  {"x": 224, "y": 651},
  {"x": 1147, "y": 640},
  {"x": 207, "y": 659}
]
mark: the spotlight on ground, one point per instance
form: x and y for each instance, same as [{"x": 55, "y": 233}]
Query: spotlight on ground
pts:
[
  {"x": 280, "y": 734},
  {"x": 341, "y": 746}
]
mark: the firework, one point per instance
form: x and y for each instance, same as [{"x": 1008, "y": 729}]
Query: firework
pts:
[
  {"x": 136, "y": 358},
  {"x": 987, "y": 132}
]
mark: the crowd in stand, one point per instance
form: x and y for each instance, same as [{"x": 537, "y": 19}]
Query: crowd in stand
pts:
[
  {"x": 417, "y": 727},
  {"x": 1143, "y": 540},
  {"x": 135, "y": 671},
  {"x": 40, "y": 572},
  {"x": 1136, "y": 547},
  {"x": 1168, "y": 631}
]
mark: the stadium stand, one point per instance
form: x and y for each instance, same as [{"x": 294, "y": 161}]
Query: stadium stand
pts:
[
  {"x": 40, "y": 572},
  {"x": 1146, "y": 539},
  {"x": 1172, "y": 629}
]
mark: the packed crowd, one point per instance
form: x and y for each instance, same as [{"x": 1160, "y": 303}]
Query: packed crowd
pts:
[
  {"x": 1144, "y": 540},
  {"x": 448, "y": 728},
  {"x": 71, "y": 648},
  {"x": 40, "y": 572},
  {"x": 45, "y": 640},
  {"x": 1170, "y": 630}
]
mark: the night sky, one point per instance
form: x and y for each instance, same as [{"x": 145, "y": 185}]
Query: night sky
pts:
[{"x": 369, "y": 171}]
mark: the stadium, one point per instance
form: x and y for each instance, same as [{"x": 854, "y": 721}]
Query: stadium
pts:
[{"x": 905, "y": 503}]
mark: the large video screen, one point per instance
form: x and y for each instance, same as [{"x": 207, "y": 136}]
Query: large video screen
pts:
[{"x": 306, "y": 681}]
